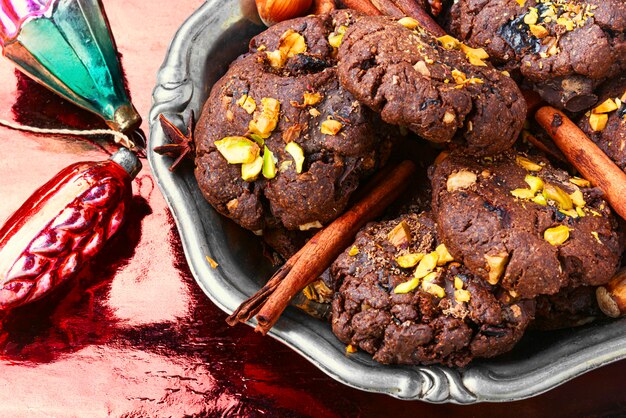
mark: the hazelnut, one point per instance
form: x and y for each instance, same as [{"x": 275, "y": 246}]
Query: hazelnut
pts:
[{"x": 274, "y": 11}]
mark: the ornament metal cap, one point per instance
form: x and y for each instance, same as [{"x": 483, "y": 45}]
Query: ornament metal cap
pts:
[{"x": 128, "y": 160}]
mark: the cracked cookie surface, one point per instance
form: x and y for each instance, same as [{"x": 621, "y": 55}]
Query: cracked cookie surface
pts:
[
  {"x": 517, "y": 221},
  {"x": 292, "y": 64},
  {"x": 413, "y": 81},
  {"x": 419, "y": 327}
]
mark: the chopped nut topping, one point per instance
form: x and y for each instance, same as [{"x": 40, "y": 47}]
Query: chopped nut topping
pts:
[
  {"x": 596, "y": 236},
  {"x": 297, "y": 154},
  {"x": 449, "y": 118},
  {"x": 555, "y": 193},
  {"x": 331, "y": 127},
  {"x": 523, "y": 193},
  {"x": 459, "y": 76},
  {"x": 314, "y": 112},
  {"x": 580, "y": 182},
  {"x": 269, "y": 164},
  {"x": 310, "y": 225},
  {"x": 353, "y": 251},
  {"x": 443, "y": 254},
  {"x": 426, "y": 265},
  {"x": 432, "y": 288},
  {"x": 607, "y": 106},
  {"x": 538, "y": 31},
  {"x": 449, "y": 42},
  {"x": 461, "y": 180},
  {"x": 232, "y": 205},
  {"x": 578, "y": 199},
  {"x": 420, "y": 67},
  {"x": 247, "y": 103},
  {"x": 532, "y": 16},
  {"x": 540, "y": 200},
  {"x": 535, "y": 183},
  {"x": 400, "y": 234},
  {"x": 557, "y": 235},
  {"x": 495, "y": 266},
  {"x": 257, "y": 139},
  {"x": 527, "y": 164},
  {"x": 475, "y": 55},
  {"x": 598, "y": 121},
  {"x": 409, "y": 260},
  {"x": 265, "y": 121},
  {"x": 291, "y": 43},
  {"x": 318, "y": 292},
  {"x": 335, "y": 38},
  {"x": 409, "y": 22},
  {"x": 212, "y": 262},
  {"x": 311, "y": 99},
  {"x": 458, "y": 283},
  {"x": 250, "y": 171},
  {"x": 407, "y": 286},
  {"x": 462, "y": 295},
  {"x": 238, "y": 149}
]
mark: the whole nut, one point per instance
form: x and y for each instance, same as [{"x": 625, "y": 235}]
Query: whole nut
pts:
[{"x": 274, "y": 11}]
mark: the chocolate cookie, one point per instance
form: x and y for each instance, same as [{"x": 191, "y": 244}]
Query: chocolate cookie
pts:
[
  {"x": 606, "y": 123},
  {"x": 571, "y": 307},
  {"x": 565, "y": 48},
  {"x": 517, "y": 221},
  {"x": 429, "y": 86},
  {"x": 448, "y": 317},
  {"x": 280, "y": 144}
]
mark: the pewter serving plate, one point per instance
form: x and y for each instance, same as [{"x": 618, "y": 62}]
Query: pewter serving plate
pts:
[{"x": 199, "y": 54}]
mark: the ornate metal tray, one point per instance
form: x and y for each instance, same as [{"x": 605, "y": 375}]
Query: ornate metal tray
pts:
[{"x": 198, "y": 55}]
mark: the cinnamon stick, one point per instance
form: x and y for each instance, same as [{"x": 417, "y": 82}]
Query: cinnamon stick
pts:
[
  {"x": 583, "y": 154},
  {"x": 388, "y": 8},
  {"x": 323, "y": 6},
  {"x": 321, "y": 250},
  {"x": 612, "y": 297},
  {"x": 413, "y": 9},
  {"x": 363, "y": 6}
]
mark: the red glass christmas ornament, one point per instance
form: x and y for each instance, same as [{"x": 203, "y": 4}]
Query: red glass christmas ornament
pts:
[{"x": 63, "y": 225}]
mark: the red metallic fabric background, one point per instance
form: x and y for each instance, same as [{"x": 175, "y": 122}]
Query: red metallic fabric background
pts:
[{"x": 134, "y": 335}]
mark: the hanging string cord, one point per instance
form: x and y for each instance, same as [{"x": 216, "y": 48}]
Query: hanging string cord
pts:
[{"x": 118, "y": 137}]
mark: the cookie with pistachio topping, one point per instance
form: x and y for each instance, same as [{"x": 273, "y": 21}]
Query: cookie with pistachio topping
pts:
[
  {"x": 439, "y": 88},
  {"x": 564, "y": 47},
  {"x": 605, "y": 123},
  {"x": 515, "y": 220},
  {"x": 280, "y": 144},
  {"x": 404, "y": 300}
]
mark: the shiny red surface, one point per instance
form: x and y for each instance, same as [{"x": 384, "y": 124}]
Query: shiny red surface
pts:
[{"x": 133, "y": 335}]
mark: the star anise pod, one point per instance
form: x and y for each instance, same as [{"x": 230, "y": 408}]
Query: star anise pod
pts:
[{"x": 181, "y": 146}]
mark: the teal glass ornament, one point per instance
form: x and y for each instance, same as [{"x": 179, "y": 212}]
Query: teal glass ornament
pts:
[{"x": 67, "y": 46}]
